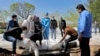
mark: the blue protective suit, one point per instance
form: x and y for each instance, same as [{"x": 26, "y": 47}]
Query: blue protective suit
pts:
[{"x": 46, "y": 25}]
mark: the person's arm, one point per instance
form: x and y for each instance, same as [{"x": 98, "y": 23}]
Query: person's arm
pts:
[
  {"x": 80, "y": 37},
  {"x": 17, "y": 24},
  {"x": 56, "y": 24},
  {"x": 64, "y": 36},
  {"x": 7, "y": 26},
  {"x": 59, "y": 24},
  {"x": 32, "y": 26},
  {"x": 47, "y": 23},
  {"x": 40, "y": 27},
  {"x": 82, "y": 24},
  {"x": 42, "y": 23},
  {"x": 65, "y": 22},
  {"x": 50, "y": 23}
]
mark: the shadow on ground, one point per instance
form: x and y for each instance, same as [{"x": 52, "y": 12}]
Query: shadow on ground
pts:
[
  {"x": 5, "y": 52},
  {"x": 97, "y": 53}
]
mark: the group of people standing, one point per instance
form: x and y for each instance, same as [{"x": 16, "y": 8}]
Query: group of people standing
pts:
[
  {"x": 35, "y": 29},
  {"x": 54, "y": 25}
]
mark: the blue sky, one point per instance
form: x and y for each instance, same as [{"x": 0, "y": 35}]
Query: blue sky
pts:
[{"x": 43, "y": 6}]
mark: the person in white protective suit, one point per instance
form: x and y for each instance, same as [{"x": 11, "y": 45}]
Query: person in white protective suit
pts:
[{"x": 29, "y": 44}]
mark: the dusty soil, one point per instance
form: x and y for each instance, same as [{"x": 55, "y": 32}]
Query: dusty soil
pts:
[
  {"x": 94, "y": 50},
  {"x": 75, "y": 52}
]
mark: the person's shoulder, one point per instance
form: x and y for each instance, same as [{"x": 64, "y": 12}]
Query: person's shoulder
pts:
[
  {"x": 10, "y": 20},
  {"x": 67, "y": 26},
  {"x": 86, "y": 12},
  {"x": 63, "y": 20},
  {"x": 42, "y": 19},
  {"x": 48, "y": 18},
  {"x": 55, "y": 20}
]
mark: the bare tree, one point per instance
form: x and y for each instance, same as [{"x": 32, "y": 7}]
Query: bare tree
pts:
[
  {"x": 22, "y": 9},
  {"x": 3, "y": 15},
  {"x": 90, "y": 1}
]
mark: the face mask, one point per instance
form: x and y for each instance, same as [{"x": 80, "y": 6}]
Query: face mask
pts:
[{"x": 14, "y": 19}]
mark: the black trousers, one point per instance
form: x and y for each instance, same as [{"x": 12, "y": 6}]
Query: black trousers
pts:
[
  {"x": 72, "y": 38},
  {"x": 36, "y": 37},
  {"x": 84, "y": 46},
  {"x": 61, "y": 32}
]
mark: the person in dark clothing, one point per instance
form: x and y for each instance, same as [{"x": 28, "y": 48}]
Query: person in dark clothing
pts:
[
  {"x": 62, "y": 25},
  {"x": 73, "y": 36},
  {"x": 12, "y": 23},
  {"x": 37, "y": 35},
  {"x": 53, "y": 26},
  {"x": 13, "y": 34}
]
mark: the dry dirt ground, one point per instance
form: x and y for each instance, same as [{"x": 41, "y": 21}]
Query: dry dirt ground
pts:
[{"x": 94, "y": 51}]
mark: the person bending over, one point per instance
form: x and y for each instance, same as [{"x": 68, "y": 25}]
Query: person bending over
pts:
[
  {"x": 73, "y": 36},
  {"x": 12, "y": 35}
]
